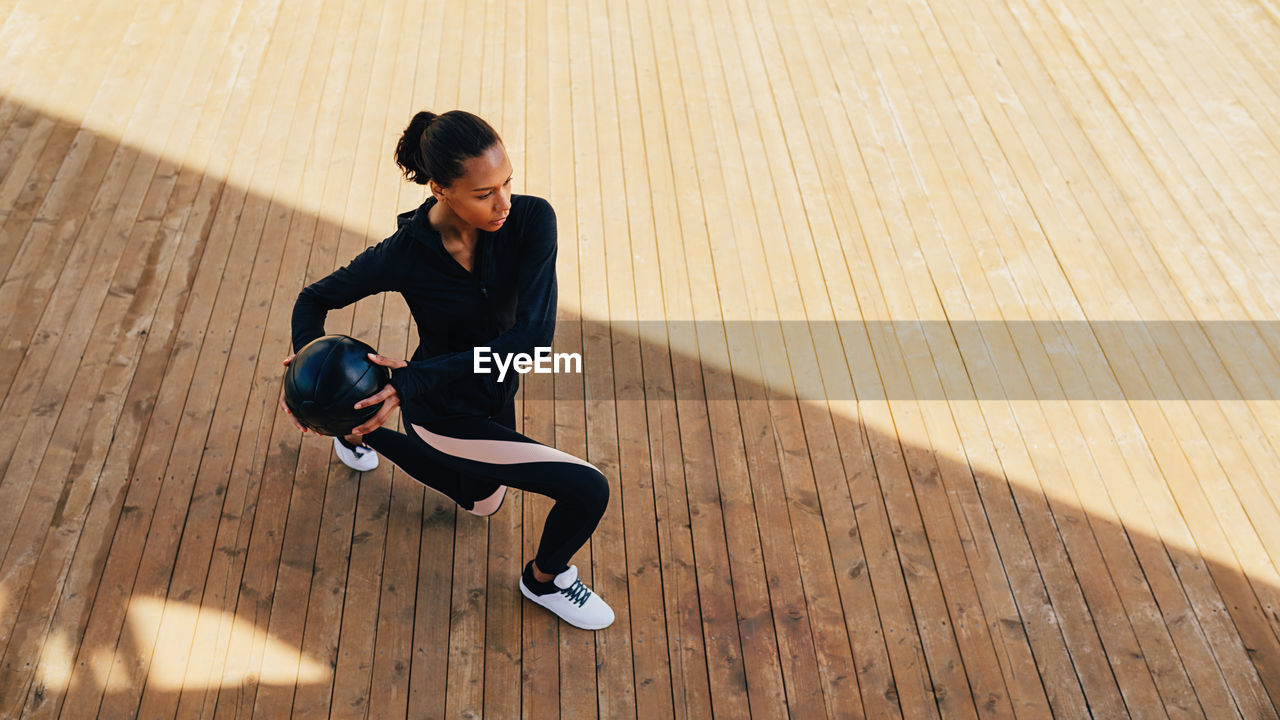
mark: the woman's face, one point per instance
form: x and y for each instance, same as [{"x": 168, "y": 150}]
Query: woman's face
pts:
[{"x": 481, "y": 198}]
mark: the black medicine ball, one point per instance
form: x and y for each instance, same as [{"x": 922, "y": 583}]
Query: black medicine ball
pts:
[{"x": 326, "y": 378}]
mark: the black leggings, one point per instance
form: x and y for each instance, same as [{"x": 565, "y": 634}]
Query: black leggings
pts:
[{"x": 468, "y": 459}]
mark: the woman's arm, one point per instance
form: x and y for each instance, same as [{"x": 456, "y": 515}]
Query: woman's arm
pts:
[
  {"x": 369, "y": 273},
  {"x": 535, "y": 321},
  {"x": 365, "y": 275}
]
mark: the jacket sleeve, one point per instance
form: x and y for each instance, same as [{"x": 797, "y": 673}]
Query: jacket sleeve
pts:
[
  {"x": 369, "y": 273},
  {"x": 535, "y": 321}
]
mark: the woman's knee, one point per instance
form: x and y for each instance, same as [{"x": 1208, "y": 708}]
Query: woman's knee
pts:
[{"x": 592, "y": 487}]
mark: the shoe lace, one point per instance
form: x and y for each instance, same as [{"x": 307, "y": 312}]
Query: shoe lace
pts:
[{"x": 577, "y": 593}]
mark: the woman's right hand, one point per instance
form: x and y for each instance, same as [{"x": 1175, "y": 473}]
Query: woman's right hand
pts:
[
  {"x": 388, "y": 396},
  {"x": 285, "y": 407}
]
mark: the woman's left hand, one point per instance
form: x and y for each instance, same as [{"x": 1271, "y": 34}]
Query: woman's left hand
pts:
[{"x": 388, "y": 396}]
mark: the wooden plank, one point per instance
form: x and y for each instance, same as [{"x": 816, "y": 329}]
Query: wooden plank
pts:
[
  {"x": 1097, "y": 589},
  {"x": 1205, "y": 604},
  {"x": 606, "y": 363},
  {"x": 503, "y": 84},
  {"x": 1249, "y": 553},
  {"x": 974, "y": 641},
  {"x": 924, "y": 469},
  {"x": 428, "y": 678},
  {"x": 13, "y": 138},
  {"x": 1187, "y": 374},
  {"x": 465, "y": 683},
  {"x": 182, "y": 533},
  {"x": 291, "y": 514},
  {"x": 539, "y": 632},
  {"x": 204, "y": 413},
  {"x": 728, "y": 680},
  {"x": 218, "y": 588},
  {"x": 38, "y": 273},
  {"x": 103, "y": 426},
  {"x": 1235, "y": 417},
  {"x": 32, "y": 386},
  {"x": 1229, "y": 456},
  {"x": 26, "y": 185},
  {"x": 859, "y": 447},
  {"x": 579, "y": 684},
  {"x": 204, "y": 556},
  {"x": 26, "y": 357},
  {"x": 103, "y": 548},
  {"x": 146, "y": 392},
  {"x": 1015, "y": 660},
  {"x": 1029, "y": 167},
  {"x": 1157, "y": 649},
  {"x": 788, "y": 349},
  {"x": 663, "y": 291},
  {"x": 428, "y": 688},
  {"x": 1249, "y": 30},
  {"x": 40, "y": 196},
  {"x": 394, "y": 651},
  {"x": 1217, "y": 156},
  {"x": 878, "y": 694},
  {"x": 28, "y": 179},
  {"x": 177, "y": 626},
  {"x": 34, "y": 276},
  {"x": 1024, "y": 429},
  {"x": 1155, "y": 640},
  {"x": 27, "y": 40},
  {"x": 580, "y": 227},
  {"x": 389, "y": 693},
  {"x": 762, "y": 642},
  {"x": 1158, "y": 653},
  {"x": 1241, "y": 152},
  {"x": 66, "y": 181},
  {"x": 90, "y": 448},
  {"x": 1193, "y": 156},
  {"x": 356, "y": 642},
  {"x": 23, "y": 48},
  {"x": 622, "y": 147}
]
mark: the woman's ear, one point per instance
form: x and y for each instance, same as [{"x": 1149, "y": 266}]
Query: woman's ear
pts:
[{"x": 436, "y": 190}]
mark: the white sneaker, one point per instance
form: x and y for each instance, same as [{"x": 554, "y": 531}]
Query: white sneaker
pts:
[
  {"x": 574, "y": 602},
  {"x": 362, "y": 458}
]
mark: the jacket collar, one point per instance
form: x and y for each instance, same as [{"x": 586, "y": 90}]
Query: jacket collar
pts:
[{"x": 417, "y": 213}]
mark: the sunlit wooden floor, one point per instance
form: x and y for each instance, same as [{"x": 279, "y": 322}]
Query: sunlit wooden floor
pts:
[{"x": 930, "y": 349}]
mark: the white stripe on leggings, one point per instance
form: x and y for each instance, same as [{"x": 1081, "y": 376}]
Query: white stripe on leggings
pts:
[{"x": 496, "y": 452}]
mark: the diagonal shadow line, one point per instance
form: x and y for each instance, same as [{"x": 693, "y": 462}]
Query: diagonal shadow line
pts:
[{"x": 133, "y": 334}]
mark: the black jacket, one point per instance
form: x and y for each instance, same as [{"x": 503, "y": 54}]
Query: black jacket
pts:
[{"x": 507, "y": 302}]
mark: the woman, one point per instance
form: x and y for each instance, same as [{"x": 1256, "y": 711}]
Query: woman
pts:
[{"x": 476, "y": 266}]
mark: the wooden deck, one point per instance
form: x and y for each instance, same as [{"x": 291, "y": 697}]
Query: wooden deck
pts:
[{"x": 930, "y": 348}]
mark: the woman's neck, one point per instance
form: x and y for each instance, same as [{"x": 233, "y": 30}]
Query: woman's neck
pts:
[{"x": 451, "y": 228}]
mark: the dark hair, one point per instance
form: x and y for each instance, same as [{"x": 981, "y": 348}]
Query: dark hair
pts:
[{"x": 434, "y": 147}]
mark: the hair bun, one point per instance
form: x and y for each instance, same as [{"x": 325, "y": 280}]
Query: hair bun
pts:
[{"x": 408, "y": 150}]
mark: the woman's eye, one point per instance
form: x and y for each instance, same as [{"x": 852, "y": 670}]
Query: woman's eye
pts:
[{"x": 490, "y": 193}]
